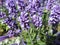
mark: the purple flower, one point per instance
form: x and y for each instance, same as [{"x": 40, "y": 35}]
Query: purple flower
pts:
[
  {"x": 54, "y": 17},
  {"x": 28, "y": 4},
  {"x": 38, "y": 12},
  {"x": 21, "y": 5},
  {"x": 50, "y": 4},
  {"x": 3, "y": 37},
  {"x": 32, "y": 12},
  {"x": 35, "y": 4},
  {"x": 13, "y": 15},
  {"x": 37, "y": 21},
  {"x": 35, "y": 8},
  {"x": 56, "y": 9},
  {"x": 14, "y": 10},
  {"x": 13, "y": 32},
  {"x": 2, "y": 15},
  {"x": 24, "y": 20},
  {"x": 11, "y": 23},
  {"x": 10, "y": 33},
  {"x": 28, "y": 7},
  {"x": 8, "y": 21},
  {"x": 17, "y": 31},
  {"x": 10, "y": 3},
  {"x": 11, "y": 6}
]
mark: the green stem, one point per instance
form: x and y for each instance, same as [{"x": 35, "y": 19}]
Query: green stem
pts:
[{"x": 30, "y": 37}]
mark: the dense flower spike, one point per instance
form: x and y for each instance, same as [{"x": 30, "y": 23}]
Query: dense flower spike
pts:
[
  {"x": 12, "y": 9},
  {"x": 56, "y": 8},
  {"x": 10, "y": 3},
  {"x": 55, "y": 15},
  {"x": 10, "y": 33},
  {"x": 10, "y": 22},
  {"x": 36, "y": 8},
  {"x": 24, "y": 20},
  {"x": 53, "y": 19},
  {"x": 38, "y": 12},
  {"x": 31, "y": 15},
  {"x": 50, "y": 4},
  {"x": 37, "y": 21},
  {"x": 13, "y": 15},
  {"x": 36, "y": 4},
  {"x": 11, "y": 6},
  {"x": 22, "y": 4},
  {"x": 2, "y": 14},
  {"x": 28, "y": 4}
]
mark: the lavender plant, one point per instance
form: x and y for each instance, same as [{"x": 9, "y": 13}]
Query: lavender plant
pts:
[{"x": 29, "y": 22}]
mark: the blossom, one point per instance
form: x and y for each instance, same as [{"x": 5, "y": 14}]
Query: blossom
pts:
[
  {"x": 50, "y": 4},
  {"x": 54, "y": 17},
  {"x": 37, "y": 21},
  {"x": 10, "y": 33},
  {"x": 2, "y": 14},
  {"x": 24, "y": 20},
  {"x": 11, "y": 5},
  {"x": 22, "y": 4},
  {"x": 11, "y": 23},
  {"x": 13, "y": 15},
  {"x": 17, "y": 32}
]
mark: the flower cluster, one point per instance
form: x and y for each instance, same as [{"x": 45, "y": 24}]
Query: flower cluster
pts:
[
  {"x": 11, "y": 6},
  {"x": 36, "y": 12},
  {"x": 24, "y": 20},
  {"x": 37, "y": 21},
  {"x": 50, "y": 4},
  {"x": 22, "y": 14},
  {"x": 11, "y": 23},
  {"x": 54, "y": 17},
  {"x": 33, "y": 7},
  {"x": 10, "y": 33},
  {"x": 2, "y": 14}
]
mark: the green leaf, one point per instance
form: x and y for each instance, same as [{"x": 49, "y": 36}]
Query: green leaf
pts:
[{"x": 7, "y": 28}]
